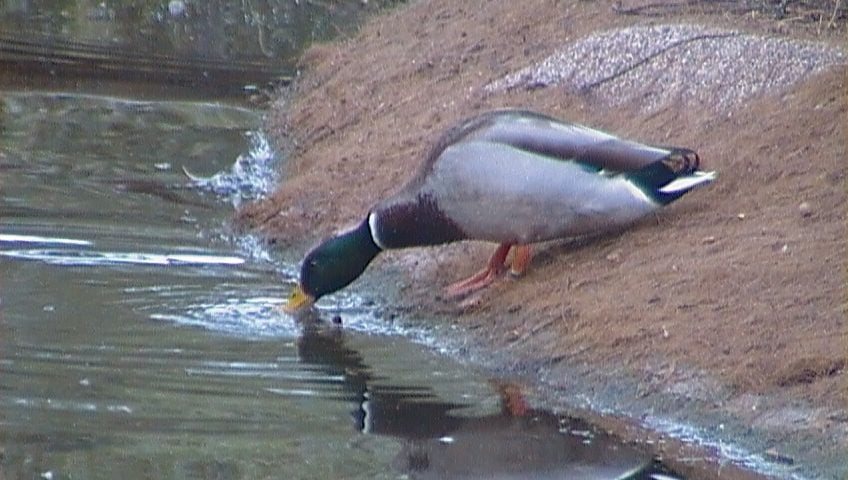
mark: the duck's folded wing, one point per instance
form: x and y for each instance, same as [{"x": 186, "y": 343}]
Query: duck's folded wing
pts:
[{"x": 547, "y": 136}]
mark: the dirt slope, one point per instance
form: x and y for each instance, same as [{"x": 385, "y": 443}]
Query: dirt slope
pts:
[{"x": 729, "y": 304}]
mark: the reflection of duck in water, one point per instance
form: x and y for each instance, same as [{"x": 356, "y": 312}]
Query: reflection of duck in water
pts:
[
  {"x": 516, "y": 442},
  {"x": 437, "y": 441},
  {"x": 512, "y": 177}
]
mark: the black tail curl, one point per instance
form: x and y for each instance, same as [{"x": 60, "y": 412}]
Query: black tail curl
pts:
[{"x": 682, "y": 161}]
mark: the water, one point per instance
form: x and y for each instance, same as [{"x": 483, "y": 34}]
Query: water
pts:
[
  {"x": 209, "y": 48},
  {"x": 224, "y": 30},
  {"x": 139, "y": 338}
]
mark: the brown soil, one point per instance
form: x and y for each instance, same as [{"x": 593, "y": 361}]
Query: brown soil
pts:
[{"x": 728, "y": 306}]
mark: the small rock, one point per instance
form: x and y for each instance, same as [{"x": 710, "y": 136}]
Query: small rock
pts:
[
  {"x": 775, "y": 456},
  {"x": 176, "y": 8},
  {"x": 614, "y": 256},
  {"x": 740, "y": 216},
  {"x": 805, "y": 209},
  {"x": 708, "y": 240},
  {"x": 513, "y": 336}
]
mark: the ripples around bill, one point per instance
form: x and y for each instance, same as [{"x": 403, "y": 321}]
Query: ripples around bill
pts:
[{"x": 140, "y": 339}]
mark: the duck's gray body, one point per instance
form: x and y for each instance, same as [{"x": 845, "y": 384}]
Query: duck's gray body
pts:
[
  {"x": 539, "y": 198},
  {"x": 519, "y": 177}
]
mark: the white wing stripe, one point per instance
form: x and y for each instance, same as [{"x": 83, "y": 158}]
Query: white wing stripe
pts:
[{"x": 688, "y": 181}]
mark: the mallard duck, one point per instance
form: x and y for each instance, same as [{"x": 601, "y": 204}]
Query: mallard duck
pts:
[{"x": 511, "y": 177}]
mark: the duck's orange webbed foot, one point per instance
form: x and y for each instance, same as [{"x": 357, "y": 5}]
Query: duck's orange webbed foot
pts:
[
  {"x": 495, "y": 268},
  {"x": 520, "y": 260}
]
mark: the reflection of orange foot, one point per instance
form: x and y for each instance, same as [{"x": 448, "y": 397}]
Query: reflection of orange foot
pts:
[
  {"x": 512, "y": 400},
  {"x": 481, "y": 279}
]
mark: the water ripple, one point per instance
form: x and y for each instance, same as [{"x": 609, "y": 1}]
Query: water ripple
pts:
[
  {"x": 251, "y": 316},
  {"x": 252, "y": 176},
  {"x": 97, "y": 259},
  {"x": 64, "y": 405},
  {"x": 13, "y": 238}
]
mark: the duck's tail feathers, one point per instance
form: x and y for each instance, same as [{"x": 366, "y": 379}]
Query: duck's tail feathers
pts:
[{"x": 672, "y": 176}]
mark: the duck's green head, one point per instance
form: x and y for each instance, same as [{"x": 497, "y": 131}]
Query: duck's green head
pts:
[{"x": 333, "y": 265}]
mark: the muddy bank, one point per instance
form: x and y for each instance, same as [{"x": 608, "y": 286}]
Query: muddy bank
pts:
[{"x": 724, "y": 313}]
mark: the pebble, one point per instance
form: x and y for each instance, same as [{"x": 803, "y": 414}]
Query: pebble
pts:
[
  {"x": 805, "y": 209},
  {"x": 176, "y": 8},
  {"x": 775, "y": 456}
]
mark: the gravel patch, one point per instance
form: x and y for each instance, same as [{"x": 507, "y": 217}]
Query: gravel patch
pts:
[{"x": 654, "y": 66}]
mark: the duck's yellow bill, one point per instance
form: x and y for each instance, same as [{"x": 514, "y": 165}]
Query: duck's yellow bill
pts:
[{"x": 298, "y": 300}]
